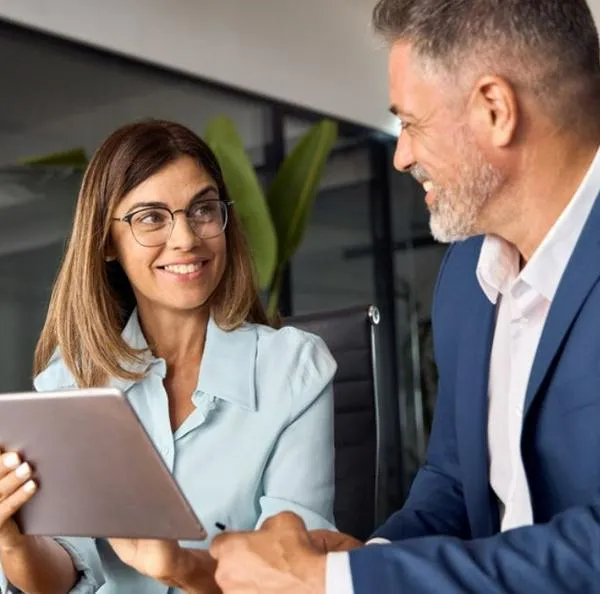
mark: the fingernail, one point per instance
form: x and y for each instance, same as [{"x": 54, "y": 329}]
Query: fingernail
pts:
[
  {"x": 23, "y": 470},
  {"x": 29, "y": 486},
  {"x": 11, "y": 460}
]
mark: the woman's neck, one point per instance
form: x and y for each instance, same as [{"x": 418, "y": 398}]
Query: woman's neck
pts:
[{"x": 175, "y": 336}]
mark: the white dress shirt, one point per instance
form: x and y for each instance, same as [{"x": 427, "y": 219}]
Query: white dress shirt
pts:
[{"x": 523, "y": 299}]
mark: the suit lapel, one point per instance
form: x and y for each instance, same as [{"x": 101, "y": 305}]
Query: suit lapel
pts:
[
  {"x": 580, "y": 276},
  {"x": 471, "y": 413}
]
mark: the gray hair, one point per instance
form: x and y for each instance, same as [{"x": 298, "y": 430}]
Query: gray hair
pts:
[{"x": 549, "y": 47}]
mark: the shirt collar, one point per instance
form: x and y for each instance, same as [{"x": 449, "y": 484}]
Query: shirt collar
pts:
[
  {"x": 228, "y": 364},
  {"x": 497, "y": 267},
  {"x": 498, "y": 263},
  {"x": 227, "y": 370}
]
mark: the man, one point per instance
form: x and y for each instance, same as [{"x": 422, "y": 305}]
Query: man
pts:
[{"x": 499, "y": 102}]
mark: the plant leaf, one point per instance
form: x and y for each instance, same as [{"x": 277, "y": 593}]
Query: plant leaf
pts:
[
  {"x": 75, "y": 158},
  {"x": 275, "y": 290},
  {"x": 291, "y": 194},
  {"x": 245, "y": 190}
]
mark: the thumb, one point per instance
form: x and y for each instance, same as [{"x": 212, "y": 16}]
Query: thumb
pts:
[
  {"x": 217, "y": 545},
  {"x": 285, "y": 521}
]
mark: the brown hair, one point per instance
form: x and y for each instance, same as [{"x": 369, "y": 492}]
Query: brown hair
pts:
[
  {"x": 549, "y": 47},
  {"x": 92, "y": 299}
]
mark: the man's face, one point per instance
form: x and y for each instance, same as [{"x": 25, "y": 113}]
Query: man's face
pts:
[{"x": 438, "y": 148}]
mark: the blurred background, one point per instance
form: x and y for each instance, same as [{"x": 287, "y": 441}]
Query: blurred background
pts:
[{"x": 73, "y": 71}]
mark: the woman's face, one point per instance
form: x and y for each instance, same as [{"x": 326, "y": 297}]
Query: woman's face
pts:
[{"x": 182, "y": 273}]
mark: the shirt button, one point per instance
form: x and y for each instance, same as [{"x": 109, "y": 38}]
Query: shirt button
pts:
[{"x": 165, "y": 450}]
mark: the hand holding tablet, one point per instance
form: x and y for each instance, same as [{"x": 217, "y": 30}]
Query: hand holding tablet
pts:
[{"x": 96, "y": 469}]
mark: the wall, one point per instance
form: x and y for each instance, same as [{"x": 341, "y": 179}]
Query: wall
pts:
[
  {"x": 315, "y": 53},
  {"x": 86, "y": 96},
  {"x": 595, "y": 6}
]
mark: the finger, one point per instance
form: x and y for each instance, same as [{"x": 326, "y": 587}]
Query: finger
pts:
[
  {"x": 8, "y": 462},
  {"x": 219, "y": 543},
  {"x": 9, "y": 483},
  {"x": 321, "y": 539},
  {"x": 330, "y": 541},
  {"x": 224, "y": 544},
  {"x": 285, "y": 521},
  {"x": 225, "y": 577},
  {"x": 16, "y": 500}
]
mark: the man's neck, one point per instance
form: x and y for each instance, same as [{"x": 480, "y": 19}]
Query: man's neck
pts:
[{"x": 548, "y": 179}]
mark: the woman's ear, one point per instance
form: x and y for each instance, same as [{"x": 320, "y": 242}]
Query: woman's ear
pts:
[{"x": 110, "y": 254}]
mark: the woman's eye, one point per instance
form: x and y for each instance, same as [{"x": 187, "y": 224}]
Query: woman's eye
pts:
[
  {"x": 203, "y": 211},
  {"x": 152, "y": 217}
]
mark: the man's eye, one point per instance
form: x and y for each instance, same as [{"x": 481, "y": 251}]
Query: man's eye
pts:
[{"x": 401, "y": 126}]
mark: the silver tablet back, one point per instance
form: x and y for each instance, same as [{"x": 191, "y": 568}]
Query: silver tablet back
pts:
[{"x": 97, "y": 470}]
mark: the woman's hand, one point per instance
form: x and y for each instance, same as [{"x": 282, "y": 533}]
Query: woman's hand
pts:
[
  {"x": 164, "y": 560},
  {"x": 16, "y": 489},
  {"x": 155, "y": 558},
  {"x": 30, "y": 563}
]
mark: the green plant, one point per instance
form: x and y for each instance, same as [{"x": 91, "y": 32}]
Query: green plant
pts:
[
  {"x": 275, "y": 221},
  {"x": 245, "y": 190},
  {"x": 75, "y": 158}
]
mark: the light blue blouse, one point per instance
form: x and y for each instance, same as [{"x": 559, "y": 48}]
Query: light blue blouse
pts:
[{"x": 260, "y": 440}]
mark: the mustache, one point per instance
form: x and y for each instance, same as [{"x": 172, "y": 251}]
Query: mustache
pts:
[{"x": 419, "y": 173}]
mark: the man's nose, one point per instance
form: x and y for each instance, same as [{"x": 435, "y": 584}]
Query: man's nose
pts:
[{"x": 403, "y": 157}]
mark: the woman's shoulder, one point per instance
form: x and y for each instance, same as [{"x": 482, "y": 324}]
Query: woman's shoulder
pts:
[
  {"x": 290, "y": 338},
  {"x": 302, "y": 356}
]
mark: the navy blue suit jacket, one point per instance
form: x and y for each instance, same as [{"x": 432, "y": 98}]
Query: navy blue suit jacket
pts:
[{"x": 446, "y": 538}]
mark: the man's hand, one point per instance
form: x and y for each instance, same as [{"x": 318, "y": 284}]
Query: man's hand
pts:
[
  {"x": 280, "y": 557},
  {"x": 327, "y": 541}
]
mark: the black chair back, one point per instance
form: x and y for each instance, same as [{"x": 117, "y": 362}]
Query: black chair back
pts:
[{"x": 350, "y": 336}]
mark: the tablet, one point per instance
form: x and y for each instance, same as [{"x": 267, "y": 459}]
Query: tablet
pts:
[{"x": 97, "y": 470}]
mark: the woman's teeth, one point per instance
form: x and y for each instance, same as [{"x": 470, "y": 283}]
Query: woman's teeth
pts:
[{"x": 183, "y": 268}]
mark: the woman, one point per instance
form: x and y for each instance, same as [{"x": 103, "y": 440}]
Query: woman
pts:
[{"x": 156, "y": 296}]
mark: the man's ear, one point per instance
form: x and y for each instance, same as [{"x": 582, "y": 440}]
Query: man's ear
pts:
[{"x": 493, "y": 111}]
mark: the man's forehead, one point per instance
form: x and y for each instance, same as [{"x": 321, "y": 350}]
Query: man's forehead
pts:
[
  {"x": 402, "y": 78},
  {"x": 400, "y": 54}
]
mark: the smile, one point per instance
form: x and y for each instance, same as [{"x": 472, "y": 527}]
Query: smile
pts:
[
  {"x": 183, "y": 268},
  {"x": 190, "y": 270}
]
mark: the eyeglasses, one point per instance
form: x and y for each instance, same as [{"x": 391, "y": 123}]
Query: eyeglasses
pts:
[{"x": 152, "y": 226}]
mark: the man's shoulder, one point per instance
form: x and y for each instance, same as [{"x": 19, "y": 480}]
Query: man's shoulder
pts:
[
  {"x": 462, "y": 256},
  {"x": 457, "y": 277}
]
